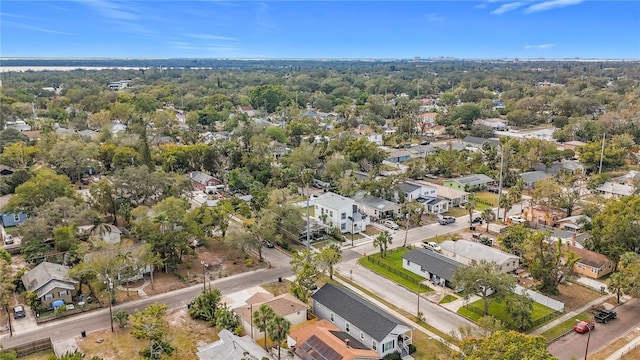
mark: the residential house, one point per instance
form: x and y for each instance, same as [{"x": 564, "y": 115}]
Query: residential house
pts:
[
  {"x": 117, "y": 127},
  {"x": 285, "y": 305},
  {"x": 12, "y": 219},
  {"x": 495, "y": 123},
  {"x": 630, "y": 178},
  {"x": 475, "y": 182},
  {"x": 201, "y": 180},
  {"x": 105, "y": 232},
  {"x": 573, "y": 223},
  {"x": 429, "y": 117},
  {"x": 591, "y": 264},
  {"x": 437, "y": 130},
  {"x": 119, "y": 85},
  {"x": 434, "y": 205},
  {"x": 323, "y": 340},
  {"x": 450, "y": 146},
  {"x": 544, "y": 215},
  {"x": 420, "y": 151},
  {"x": 232, "y": 347},
  {"x": 566, "y": 166},
  {"x": 452, "y": 196},
  {"x": 93, "y": 135},
  {"x": 466, "y": 252},
  {"x": 376, "y": 207},
  {"x": 397, "y": 155},
  {"x": 278, "y": 150},
  {"x": 530, "y": 178},
  {"x": 612, "y": 189},
  {"x": 375, "y": 138},
  {"x": 567, "y": 237},
  {"x": 369, "y": 324},
  {"x": 19, "y": 125},
  {"x": 340, "y": 212},
  {"x": 248, "y": 110},
  {"x": 414, "y": 190},
  {"x": 477, "y": 142},
  {"x": 431, "y": 265},
  {"x": 50, "y": 283}
]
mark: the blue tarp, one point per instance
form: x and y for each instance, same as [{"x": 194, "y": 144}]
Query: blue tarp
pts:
[{"x": 57, "y": 303}]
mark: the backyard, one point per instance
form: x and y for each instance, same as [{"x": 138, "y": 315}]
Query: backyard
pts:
[
  {"x": 391, "y": 268},
  {"x": 497, "y": 309}
]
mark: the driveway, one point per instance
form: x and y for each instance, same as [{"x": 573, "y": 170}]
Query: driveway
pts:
[{"x": 574, "y": 344}]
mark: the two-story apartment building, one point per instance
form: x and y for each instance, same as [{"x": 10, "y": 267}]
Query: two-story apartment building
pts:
[
  {"x": 340, "y": 212},
  {"x": 369, "y": 324}
]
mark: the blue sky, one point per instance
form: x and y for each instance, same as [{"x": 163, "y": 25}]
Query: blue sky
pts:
[{"x": 315, "y": 29}]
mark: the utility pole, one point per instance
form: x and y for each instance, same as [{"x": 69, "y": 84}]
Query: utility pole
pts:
[
  {"x": 418, "y": 293},
  {"x": 204, "y": 275},
  {"x": 111, "y": 303},
  {"x": 601, "y": 155},
  {"x": 308, "y": 225},
  {"x": 500, "y": 182}
]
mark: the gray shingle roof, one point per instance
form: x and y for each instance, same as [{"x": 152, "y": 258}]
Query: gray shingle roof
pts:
[
  {"x": 46, "y": 273},
  {"x": 473, "y": 180},
  {"x": 480, "y": 141},
  {"x": 361, "y": 313},
  {"x": 433, "y": 262},
  {"x": 534, "y": 176}
]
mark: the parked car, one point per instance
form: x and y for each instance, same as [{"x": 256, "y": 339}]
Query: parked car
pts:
[
  {"x": 8, "y": 239},
  {"x": 18, "y": 312},
  {"x": 517, "y": 219},
  {"x": 431, "y": 176},
  {"x": 431, "y": 245},
  {"x": 602, "y": 316},
  {"x": 476, "y": 220},
  {"x": 391, "y": 224},
  {"x": 584, "y": 326},
  {"x": 268, "y": 244},
  {"x": 70, "y": 306}
]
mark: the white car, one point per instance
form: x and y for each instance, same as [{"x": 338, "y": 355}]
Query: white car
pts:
[
  {"x": 431, "y": 245},
  {"x": 517, "y": 219},
  {"x": 391, "y": 224}
]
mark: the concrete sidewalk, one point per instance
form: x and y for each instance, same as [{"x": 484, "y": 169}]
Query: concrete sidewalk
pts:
[{"x": 571, "y": 314}]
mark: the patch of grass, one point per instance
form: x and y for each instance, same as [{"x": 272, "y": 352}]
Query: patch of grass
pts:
[
  {"x": 497, "y": 309},
  {"x": 10, "y": 230},
  {"x": 565, "y": 326},
  {"x": 457, "y": 212},
  {"x": 448, "y": 299},
  {"x": 42, "y": 355},
  {"x": 486, "y": 197},
  {"x": 391, "y": 268},
  {"x": 372, "y": 230}
]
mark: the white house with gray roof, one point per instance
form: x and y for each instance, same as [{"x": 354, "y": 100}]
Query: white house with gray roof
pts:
[
  {"x": 340, "y": 212},
  {"x": 50, "y": 283},
  {"x": 431, "y": 265},
  {"x": 470, "y": 182},
  {"x": 371, "y": 325},
  {"x": 376, "y": 207},
  {"x": 614, "y": 190},
  {"x": 466, "y": 252},
  {"x": 530, "y": 178}
]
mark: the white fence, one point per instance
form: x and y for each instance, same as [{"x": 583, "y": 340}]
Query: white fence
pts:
[{"x": 540, "y": 299}]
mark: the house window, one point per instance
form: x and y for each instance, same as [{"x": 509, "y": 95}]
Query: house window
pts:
[
  {"x": 581, "y": 266},
  {"x": 331, "y": 213},
  {"x": 343, "y": 216},
  {"x": 48, "y": 296},
  {"x": 361, "y": 335},
  {"x": 374, "y": 345},
  {"x": 343, "y": 226},
  {"x": 331, "y": 317},
  {"x": 408, "y": 262},
  {"x": 346, "y": 327},
  {"x": 388, "y": 346},
  {"x": 16, "y": 217},
  {"x": 63, "y": 293}
]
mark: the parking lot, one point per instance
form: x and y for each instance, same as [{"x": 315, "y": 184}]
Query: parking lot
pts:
[{"x": 574, "y": 344}]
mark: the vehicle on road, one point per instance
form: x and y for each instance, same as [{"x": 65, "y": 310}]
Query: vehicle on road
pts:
[
  {"x": 603, "y": 316},
  {"x": 445, "y": 220},
  {"x": 431, "y": 176},
  {"x": 584, "y": 327},
  {"x": 431, "y": 245},
  {"x": 18, "y": 312},
  {"x": 268, "y": 244},
  {"x": 8, "y": 239},
  {"x": 391, "y": 224},
  {"x": 476, "y": 220}
]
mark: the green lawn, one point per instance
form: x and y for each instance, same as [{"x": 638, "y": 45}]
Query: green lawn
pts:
[
  {"x": 565, "y": 326},
  {"x": 448, "y": 299},
  {"x": 456, "y": 212},
  {"x": 391, "y": 268},
  {"x": 498, "y": 311},
  {"x": 487, "y": 197},
  {"x": 12, "y": 229}
]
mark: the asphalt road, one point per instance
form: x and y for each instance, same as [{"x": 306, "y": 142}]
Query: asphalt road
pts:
[{"x": 574, "y": 344}]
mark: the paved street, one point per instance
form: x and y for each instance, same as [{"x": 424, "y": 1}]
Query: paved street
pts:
[{"x": 574, "y": 344}]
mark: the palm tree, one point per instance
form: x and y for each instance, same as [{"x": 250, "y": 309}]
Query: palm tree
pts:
[
  {"x": 278, "y": 331},
  {"x": 262, "y": 318},
  {"x": 506, "y": 203},
  {"x": 616, "y": 283},
  {"x": 382, "y": 241},
  {"x": 487, "y": 216},
  {"x": 470, "y": 206}
]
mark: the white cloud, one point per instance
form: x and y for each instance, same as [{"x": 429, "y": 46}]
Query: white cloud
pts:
[
  {"x": 552, "y": 4},
  {"x": 24, "y": 26},
  {"x": 211, "y": 37},
  {"x": 434, "y": 17},
  {"x": 508, "y": 7},
  {"x": 541, "y": 46}
]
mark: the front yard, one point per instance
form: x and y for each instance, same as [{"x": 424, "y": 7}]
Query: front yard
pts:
[{"x": 391, "y": 268}]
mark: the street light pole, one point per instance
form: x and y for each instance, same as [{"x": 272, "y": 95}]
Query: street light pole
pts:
[
  {"x": 352, "y": 224},
  {"x": 418, "y": 292},
  {"x": 586, "y": 350},
  {"x": 204, "y": 275},
  {"x": 111, "y": 303}
]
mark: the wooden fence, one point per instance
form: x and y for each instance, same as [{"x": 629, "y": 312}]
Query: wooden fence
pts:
[{"x": 32, "y": 347}]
